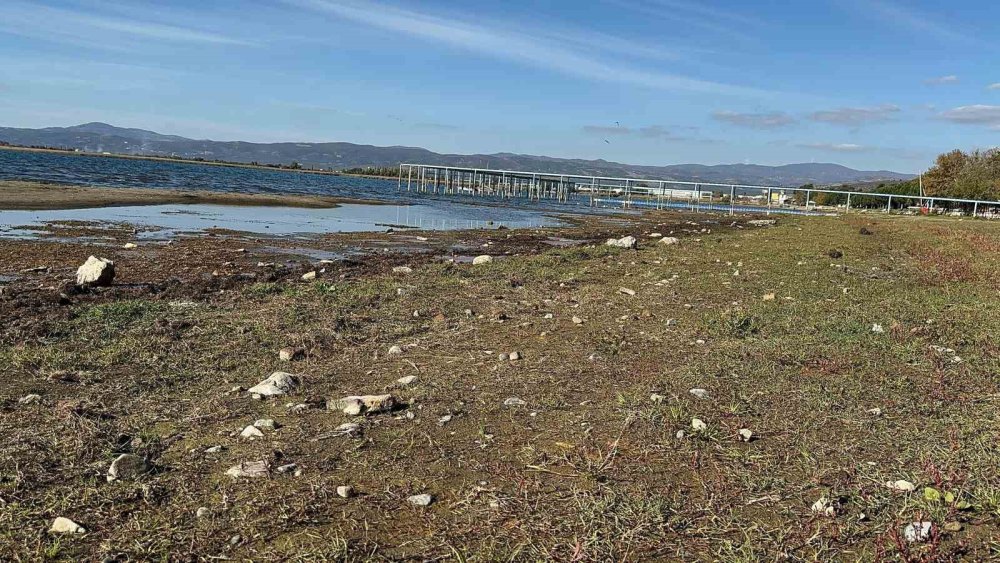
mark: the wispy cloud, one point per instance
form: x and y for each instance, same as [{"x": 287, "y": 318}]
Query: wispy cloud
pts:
[
  {"x": 836, "y": 147},
  {"x": 947, "y": 79},
  {"x": 90, "y": 29},
  {"x": 856, "y": 116},
  {"x": 978, "y": 114},
  {"x": 726, "y": 23},
  {"x": 897, "y": 15},
  {"x": 504, "y": 42},
  {"x": 772, "y": 120},
  {"x": 606, "y": 130},
  {"x": 995, "y": 86}
]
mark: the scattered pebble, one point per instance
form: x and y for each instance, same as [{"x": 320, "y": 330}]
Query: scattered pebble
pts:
[
  {"x": 514, "y": 402},
  {"x": 698, "y": 425},
  {"x": 202, "y": 512},
  {"x": 420, "y": 500},
  {"x": 249, "y": 469},
  {"x": 309, "y": 276},
  {"x": 483, "y": 259},
  {"x": 251, "y": 432},
  {"x": 345, "y": 491},
  {"x": 66, "y": 526},
  {"x": 901, "y": 486},
  {"x": 30, "y": 399},
  {"x": 127, "y": 466},
  {"x": 402, "y": 270},
  {"x": 746, "y": 434},
  {"x": 626, "y": 291},
  {"x": 624, "y": 242},
  {"x": 877, "y": 329},
  {"x": 699, "y": 393},
  {"x": 395, "y": 350},
  {"x": 278, "y": 383},
  {"x": 577, "y": 321},
  {"x": 670, "y": 241},
  {"x": 407, "y": 380},
  {"x": 358, "y": 404},
  {"x": 825, "y": 507},
  {"x": 657, "y": 398},
  {"x": 288, "y": 468},
  {"x": 130, "y": 246}
]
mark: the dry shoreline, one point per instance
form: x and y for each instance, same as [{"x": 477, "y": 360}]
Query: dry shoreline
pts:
[{"x": 34, "y": 196}]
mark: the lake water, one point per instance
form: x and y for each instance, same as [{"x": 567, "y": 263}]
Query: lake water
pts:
[{"x": 406, "y": 209}]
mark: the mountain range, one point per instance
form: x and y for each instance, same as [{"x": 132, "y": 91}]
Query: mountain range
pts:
[{"x": 101, "y": 137}]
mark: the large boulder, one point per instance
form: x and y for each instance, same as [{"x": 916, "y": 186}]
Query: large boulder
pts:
[
  {"x": 362, "y": 404},
  {"x": 96, "y": 271},
  {"x": 624, "y": 242}
]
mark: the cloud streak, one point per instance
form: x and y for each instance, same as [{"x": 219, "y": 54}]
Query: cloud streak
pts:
[
  {"x": 926, "y": 24},
  {"x": 835, "y": 147},
  {"x": 39, "y": 21},
  {"x": 856, "y": 116},
  {"x": 772, "y": 120},
  {"x": 948, "y": 79},
  {"x": 503, "y": 42},
  {"x": 979, "y": 114}
]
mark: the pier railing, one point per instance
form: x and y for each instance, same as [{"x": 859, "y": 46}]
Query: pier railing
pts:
[{"x": 667, "y": 194}]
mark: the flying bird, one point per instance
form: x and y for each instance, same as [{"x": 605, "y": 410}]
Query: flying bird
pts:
[{"x": 607, "y": 141}]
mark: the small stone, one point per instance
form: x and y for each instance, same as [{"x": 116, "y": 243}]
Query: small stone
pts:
[
  {"x": 420, "y": 500},
  {"x": 265, "y": 424},
  {"x": 345, "y": 491},
  {"x": 875, "y": 411},
  {"x": 769, "y": 297},
  {"x": 251, "y": 432},
  {"x": 309, "y": 276},
  {"x": 395, "y": 350},
  {"x": 484, "y": 259},
  {"x": 402, "y": 270},
  {"x": 514, "y": 402},
  {"x": 671, "y": 322},
  {"x": 953, "y": 526},
  {"x": 249, "y": 469},
  {"x": 746, "y": 434},
  {"x": 358, "y": 404},
  {"x": 626, "y": 291},
  {"x": 669, "y": 241},
  {"x": 289, "y": 468},
  {"x": 66, "y": 526},
  {"x": 917, "y": 531},
  {"x": 202, "y": 512},
  {"x": 445, "y": 419},
  {"x": 515, "y": 356},
  {"x": 762, "y": 222},
  {"x": 349, "y": 428},
  {"x": 824, "y": 506},
  {"x": 30, "y": 399},
  {"x": 291, "y": 354},
  {"x": 407, "y": 380},
  {"x": 680, "y": 434},
  {"x": 901, "y": 486},
  {"x": 127, "y": 466},
  {"x": 699, "y": 393},
  {"x": 96, "y": 271},
  {"x": 130, "y": 246},
  {"x": 657, "y": 398},
  {"x": 877, "y": 329},
  {"x": 213, "y": 450},
  {"x": 698, "y": 425},
  {"x": 655, "y": 235},
  {"x": 577, "y": 321},
  {"x": 278, "y": 383},
  {"x": 548, "y": 316}
]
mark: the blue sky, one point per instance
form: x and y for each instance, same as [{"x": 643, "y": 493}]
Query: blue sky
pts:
[{"x": 867, "y": 83}]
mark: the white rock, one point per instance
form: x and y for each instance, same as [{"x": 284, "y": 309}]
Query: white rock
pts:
[
  {"x": 901, "y": 486},
  {"x": 918, "y": 531},
  {"x": 96, "y": 271},
  {"x": 875, "y": 411},
  {"x": 655, "y": 235},
  {"x": 514, "y": 402},
  {"x": 30, "y": 399},
  {"x": 265, "y": 424},
  {"x": 577, "y": 321},
  {"x": 127, "y": 466},
  {"x": 698, "y": 425},
  {"x": 483, "y": 259},
  {"x": 877, "y": 329},
  {"x": 402, "y": 270},
  {"x": 657, "y": 398},
  {"x": 278, "y": 383},
  {"x": 213, "y": 450},
  {"x": 626, "y": 291},
  {"x": 548, "y": 315},
  {"x": 349, "y": 428},
  {"x": 407, "y": 380},
  {"x": 66, "y": 526},
  {"x": 746, "y": 434},
  {"x": 445, "y": 419},
  {"x": 420, "y": 500},
  {"x": 680, "y": 434},
  {"x": 624, "y": 242},
  {"x": 309, "y": 276},
  {"x": 130, "y": 246},
  {"x": 289, "y": 468},
  {"x": 251, "y": 432},
  {"x": 669, "y": 241},
  {"x": 202, "y": 512},
  {"x": 762, "y": 222},
  {"x": 699, "y": 393},
  {"x": 345, "y": 491},
  {"x": 290, "y": 354},
  {"x": 395, "y": 350},
  {"x": 514, "y": 356},
  {"x": 249, "y": 469}
]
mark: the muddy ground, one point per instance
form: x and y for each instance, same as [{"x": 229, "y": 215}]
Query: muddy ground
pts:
[{"x": 858, "y": 351}]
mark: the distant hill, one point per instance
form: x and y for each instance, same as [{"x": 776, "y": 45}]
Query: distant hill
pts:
[{"x": 101, "y": 137}]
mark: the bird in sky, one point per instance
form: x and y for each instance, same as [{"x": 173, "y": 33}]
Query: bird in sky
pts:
[{"x": 607, "y": 141}]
